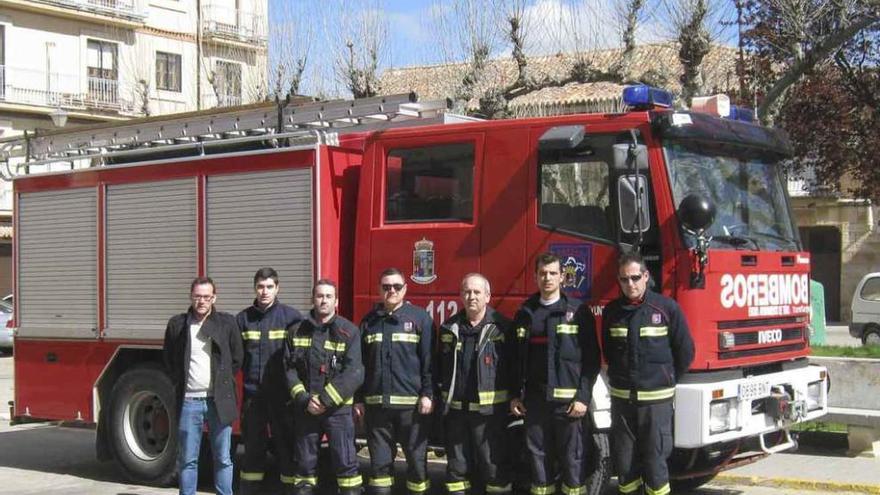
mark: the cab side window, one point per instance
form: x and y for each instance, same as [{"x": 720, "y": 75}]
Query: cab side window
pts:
[
  {"x": 574, "y": 194},
  {"x": 430, "y": 184}
]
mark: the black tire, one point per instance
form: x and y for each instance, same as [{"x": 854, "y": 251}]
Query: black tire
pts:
[
  {"x": 871, "y": 336},
  {"x": 598, "y": 471},
  {"x": 143, "y": 425},
  {"x": 688, "y": 485}
]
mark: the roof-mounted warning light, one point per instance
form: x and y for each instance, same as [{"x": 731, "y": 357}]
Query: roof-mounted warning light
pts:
[
  {"x": 715, "y": 105},
  {"x": 643, "y": 97},
  {"x": 742, "y": 114}
]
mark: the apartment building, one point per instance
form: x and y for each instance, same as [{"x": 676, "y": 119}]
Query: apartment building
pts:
[{"x": 87, "y": 61}]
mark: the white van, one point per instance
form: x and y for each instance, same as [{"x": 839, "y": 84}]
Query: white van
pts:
[{"x": 866, "y": 310}]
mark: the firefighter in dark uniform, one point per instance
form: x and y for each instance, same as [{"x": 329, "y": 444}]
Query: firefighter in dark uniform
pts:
[
  {"x": 558, "y": 359},
  {"x": 323, "y": 367},
  {"x": 397, "y": 397},
  {"x": 263, "y": 329},
  {"x": 473, "y": 378},
  {"x": 648, "y": 347}
]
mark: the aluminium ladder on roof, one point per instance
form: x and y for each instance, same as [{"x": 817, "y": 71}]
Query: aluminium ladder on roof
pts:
[{"x": 280, "y": 123}]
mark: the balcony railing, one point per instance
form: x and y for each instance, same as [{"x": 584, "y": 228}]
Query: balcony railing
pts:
[
  {"x": 51, "y": 89},
  {"x": 211, "y": 100},
  {"x": 125, "y": 9},
  {"x": 234, "y": 24}
]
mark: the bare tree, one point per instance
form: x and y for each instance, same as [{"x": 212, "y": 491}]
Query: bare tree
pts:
[
  {"x": 364, "y": 32},
  {"x": 630, "y": 14},
  {"x": 293, "y": 30}
]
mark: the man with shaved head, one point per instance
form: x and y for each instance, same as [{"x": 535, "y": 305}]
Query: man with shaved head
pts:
[{"x": 472, "y": 378}]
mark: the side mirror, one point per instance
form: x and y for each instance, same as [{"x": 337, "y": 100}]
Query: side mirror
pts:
[
  {"x": 696, "y": 212},
  {"x": 632, "y": 195}
]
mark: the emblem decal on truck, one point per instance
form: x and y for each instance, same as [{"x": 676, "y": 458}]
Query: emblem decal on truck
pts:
[
  {"x": 423, "y": 262},
  {"x": 576, "y": 261}
]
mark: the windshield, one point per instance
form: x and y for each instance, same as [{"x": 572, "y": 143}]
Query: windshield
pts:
[{"x": 752, "y": 212}]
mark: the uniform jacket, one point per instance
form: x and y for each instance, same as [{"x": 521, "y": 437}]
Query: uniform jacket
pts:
[
  {"x": 493, "y": 362},
  {"x": 648, "y": 347},
  {"x": 573, "y": 355},
  {"x": 226, "y": 358},
  {"x": 397, "y": 356},
  {"x": 264, "y": 334},
  {"x": 323, "y": 359}
]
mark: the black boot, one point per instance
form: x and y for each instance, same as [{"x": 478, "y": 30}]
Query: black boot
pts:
[{"x": 304, "y": 489}]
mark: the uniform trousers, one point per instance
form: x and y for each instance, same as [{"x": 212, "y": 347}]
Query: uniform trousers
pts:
[
  {"x": 641, "y": 442},
  {"x": 385, "y": 428}
]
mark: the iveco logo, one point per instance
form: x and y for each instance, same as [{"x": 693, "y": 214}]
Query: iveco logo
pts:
[{"x": 770, "y": 336}]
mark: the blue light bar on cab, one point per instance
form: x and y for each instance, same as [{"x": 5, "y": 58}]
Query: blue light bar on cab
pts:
[
  {"x": 741, "y": 113},
  {"x": 643, "y": 96}
]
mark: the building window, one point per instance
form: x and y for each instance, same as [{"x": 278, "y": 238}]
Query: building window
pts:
[
  {"x": 168, "y": 71},
  {"x": 430, "y": 184},
  {"x": 227, "y": 83},
  {"x": 102, "y": 71},
  {"x": 2, "y": 61}
]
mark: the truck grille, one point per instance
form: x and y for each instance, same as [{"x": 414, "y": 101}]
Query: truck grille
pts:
[{"x": 763, "y": 322}]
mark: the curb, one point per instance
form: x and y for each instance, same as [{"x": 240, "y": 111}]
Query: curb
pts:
[{"x": 794, "y": 483}]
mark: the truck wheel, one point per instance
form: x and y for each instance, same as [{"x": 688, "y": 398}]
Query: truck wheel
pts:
[
  {"x": 687, "y": 485},
  {"x": 598, "y": 463},
  {"x": 143, "y": 432}
]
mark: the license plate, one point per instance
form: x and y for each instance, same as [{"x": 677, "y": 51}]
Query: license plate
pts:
[{"x": 754, "y": 390}]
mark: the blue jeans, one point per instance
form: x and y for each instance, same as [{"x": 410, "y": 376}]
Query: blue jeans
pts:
[{"x": 193, "y": 415}]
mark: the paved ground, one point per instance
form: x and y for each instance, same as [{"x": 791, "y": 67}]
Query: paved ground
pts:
[{"x": 838, "y": 334}]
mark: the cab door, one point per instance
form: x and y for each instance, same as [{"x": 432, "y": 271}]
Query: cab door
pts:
[
  {"x": 424, "y": 217},
  {"x": 575, "y": 208}
]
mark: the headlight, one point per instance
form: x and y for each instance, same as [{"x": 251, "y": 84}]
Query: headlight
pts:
[
  {"x": 814, "y": 396},
  {"x": 722, "y": 415},
  {"x": 726, "y": 340}
]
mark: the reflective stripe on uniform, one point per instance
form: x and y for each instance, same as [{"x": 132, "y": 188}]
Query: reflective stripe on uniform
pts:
[
  {"x": 251, "y": 335},
  {"x": 288, "y": 480},
  {"x": 630, "y": 487},
  {"x": 564, "y": 393},
  {"x": 663, "y": 490},
  {"x": 618, "y": 331},
  {"x": 373, "y": 337},
  {"x": 412, "y": 338},
  {"x": 493, "y": 397},
  {"x": 402, "y": 400},
  {"x": 373, "y": 399},
  {"x": 497, "y": 338},
  {"x": 644, "y": 395},
  {"x": 458, "y": 486},
  {"x": 653, "y": 331},
  {"x": 574, "y": 490},
  {"x": 543, "y": 489},
  {"x": 382, "y": 481},
  {"x": 297, "y": 389},
  {"x": 521, "y": 333},
  {"x": 306, "y": 480},
  {"x": 277, "y": 334},
  {"x": 446, "y": 338},
  {"x": 418, "y": 486},
  {"x": 490, "y": 488},
  {"x": 251, "y": 476},
  {"x": 349, "y": 481},
  {"x": 302, "y": 341},
  {"x": 333, "y": 393},
  {"x": 334, "y": 346},
  {"x": 567, "y": 329}
]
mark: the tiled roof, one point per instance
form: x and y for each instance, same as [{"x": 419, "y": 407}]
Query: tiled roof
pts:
[{"x": 660, "y": 60}]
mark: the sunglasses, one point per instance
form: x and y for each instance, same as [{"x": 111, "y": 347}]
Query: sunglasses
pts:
[
  {"x": 630, "y": 278},
  {"x": 388, "y": 287}
]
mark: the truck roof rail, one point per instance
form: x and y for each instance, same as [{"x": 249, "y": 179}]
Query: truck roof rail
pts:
[{"x": 283, "y": 122}]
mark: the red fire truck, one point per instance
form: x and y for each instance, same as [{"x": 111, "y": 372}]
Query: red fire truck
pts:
[{"x": 113, "y": 221}]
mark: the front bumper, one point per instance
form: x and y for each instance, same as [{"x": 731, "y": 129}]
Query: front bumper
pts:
[{"x": 751, "y": 412}]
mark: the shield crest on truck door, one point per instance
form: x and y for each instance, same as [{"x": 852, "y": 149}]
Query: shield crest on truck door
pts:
[{"x": 423, "y": 262}]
